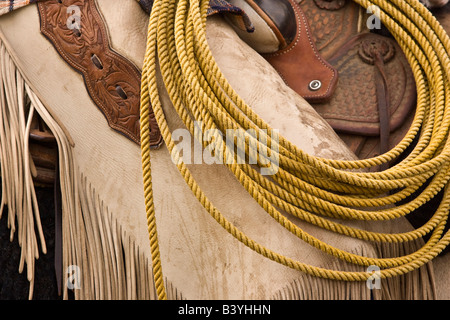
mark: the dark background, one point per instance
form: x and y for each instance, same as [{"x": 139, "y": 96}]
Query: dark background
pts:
[{"x": 15, "y": 286}]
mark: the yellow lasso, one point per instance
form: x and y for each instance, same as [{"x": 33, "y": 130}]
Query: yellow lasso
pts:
[{"x": 310, "y": 188}]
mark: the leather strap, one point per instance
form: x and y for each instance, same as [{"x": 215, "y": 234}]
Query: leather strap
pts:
[
  {"x": 301, "y": 65},
  {"x": 58, "y": 262},
  {"x": 112, "y": 81},
  {"x": 378, "y": 52},
  {"x": 355, "y": 106},
  {"x": 43, "y": 151},
  {"x": 382, "y": 92}
]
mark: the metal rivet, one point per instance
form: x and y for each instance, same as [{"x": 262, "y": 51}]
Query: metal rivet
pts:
[{"x": 315, "y": 85}]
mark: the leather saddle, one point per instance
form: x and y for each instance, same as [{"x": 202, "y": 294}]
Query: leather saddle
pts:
[
  {"x": 357, "y": 80},
  {"x": 373, "y": 105}
]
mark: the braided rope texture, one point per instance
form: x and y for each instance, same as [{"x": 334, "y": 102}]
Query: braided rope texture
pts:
[{"x": 310, "y": 188}]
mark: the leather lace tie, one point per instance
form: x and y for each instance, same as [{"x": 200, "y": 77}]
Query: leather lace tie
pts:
[{"x": 378, "y": 52}]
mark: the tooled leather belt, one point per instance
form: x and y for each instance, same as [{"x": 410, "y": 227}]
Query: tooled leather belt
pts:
[{"x": 112, "y": 81}]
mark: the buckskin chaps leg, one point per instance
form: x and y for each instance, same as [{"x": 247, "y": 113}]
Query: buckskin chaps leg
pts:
[{"x": 104, "y": 224}]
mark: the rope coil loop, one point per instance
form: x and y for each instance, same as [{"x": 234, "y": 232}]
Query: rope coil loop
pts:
[{"x": 311, "y": 188}]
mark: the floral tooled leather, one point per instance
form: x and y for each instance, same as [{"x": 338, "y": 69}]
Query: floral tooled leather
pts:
[{"x": 77, "y": 31}]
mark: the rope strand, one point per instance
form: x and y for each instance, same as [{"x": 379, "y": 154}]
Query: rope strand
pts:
[{"x": 311, "y": 188}]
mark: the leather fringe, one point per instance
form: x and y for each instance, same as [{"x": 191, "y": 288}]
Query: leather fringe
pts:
[
  {"x": 415, "y": 285},
  {"x": 109, "y": 263},
  {"x": 307, "y": 287},
  {"x": 18, "y": 192}
]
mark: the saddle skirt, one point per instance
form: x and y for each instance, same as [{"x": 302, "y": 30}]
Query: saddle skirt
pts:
[
  {"x": 374, "y": 102},
  {"x": 364, "y": 87}
]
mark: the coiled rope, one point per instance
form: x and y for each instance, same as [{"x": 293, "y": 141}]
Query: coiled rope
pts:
[{"x": 311, "y": 188}]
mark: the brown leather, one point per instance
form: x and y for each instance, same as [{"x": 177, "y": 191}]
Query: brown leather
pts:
[
  {"x": 282, "y": 14},
  {"x": 268, "y": 19},
  {"x": 443, "y": 16},
  {"x": 301, "y": 65},
  {"x": 112, "y": 81},
  {"x": 332, "y": 23},
  {"x": 374, "y": 102},
  {"x": 355, "y": 105},
  {"x": 43, "y": 151}
]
